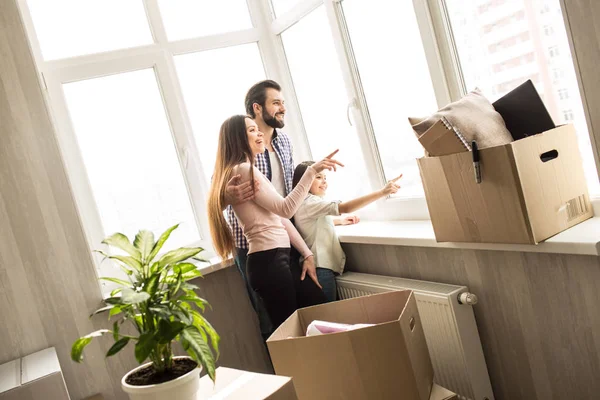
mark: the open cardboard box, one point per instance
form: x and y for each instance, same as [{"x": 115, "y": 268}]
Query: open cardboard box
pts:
[
  {"x": 389, "y": 360},
  {"x": 531, "y": 189}
]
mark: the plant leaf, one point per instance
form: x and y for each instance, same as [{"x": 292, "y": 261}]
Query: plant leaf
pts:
[
  {"x": 129, "y": 261},
  {"x": 170, "y": 279},
  {"x": 201, "y": 323},
  {"x": 202, "y": 352},
  {"x": 118, "y": 346},
  {"x": 184, "y": 267},
  {"x": 129, "y": 296},
  {"x": 193, "y": 297},
  {"x": 177, "y": 255},
  {"x": 159, "y": 244},
  {"x": 152, "y": 284},
  {"x": 144, "y": 242},
  {"x": 116, "y": 330},
  {"x": 162, "y": 311},
  {"x": 144, "y": 346},
  {"x": 121, "y": 241},
  {"x": 116, "y": 300},
  {"x": 103, "y": 309},
  {"x": 168, "y": 330},
  {"x": 201, "y": 259},
  {"x": 183, "y": 315},
  {"x": 178, "y": 283},
  {"x": 79, "y": 345},
  {"x": 116, "y": 280},
  {"x": 189, "y": 286},
  {"x": 114, "y": 311}
]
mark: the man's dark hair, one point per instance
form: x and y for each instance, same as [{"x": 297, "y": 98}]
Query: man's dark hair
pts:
[
  {"x": 258, "y": 94},
  {"x": 299, "y": 171}
]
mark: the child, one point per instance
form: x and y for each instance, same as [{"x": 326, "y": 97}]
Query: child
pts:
[{"x": 314, "y": 222}]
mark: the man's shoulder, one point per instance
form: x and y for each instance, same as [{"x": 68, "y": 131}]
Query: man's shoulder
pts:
[{"x": 283, "y": 137}]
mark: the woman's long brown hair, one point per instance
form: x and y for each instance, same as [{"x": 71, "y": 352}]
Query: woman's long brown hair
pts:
[{"x": 233, "y": 149}]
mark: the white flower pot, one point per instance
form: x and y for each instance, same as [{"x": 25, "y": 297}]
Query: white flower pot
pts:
[{"x": 184, "y": 387}]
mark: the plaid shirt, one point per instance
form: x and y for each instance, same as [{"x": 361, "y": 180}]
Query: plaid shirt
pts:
[{"x": 283, "y": 148}]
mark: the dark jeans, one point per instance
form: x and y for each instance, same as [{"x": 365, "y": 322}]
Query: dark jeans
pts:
[
  {"x": 327, "y": 280},
  {"x": 307, "y": 292},
  {"x": 266, "y": 328},
  {"x": 279, "y": 286}
]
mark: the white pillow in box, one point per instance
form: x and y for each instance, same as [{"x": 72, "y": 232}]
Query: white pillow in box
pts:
[{"x": 322, "y": 327}]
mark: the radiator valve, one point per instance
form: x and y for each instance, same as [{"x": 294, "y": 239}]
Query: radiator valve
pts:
[{"x": 467, "y": 298}]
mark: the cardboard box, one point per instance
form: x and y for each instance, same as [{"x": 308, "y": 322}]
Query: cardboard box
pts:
[
  {"x": 389, "y": 360},
  {"x": 440, "y": 393},
  {"x": 531, "y": 189},
  {"x": 234, "y": 384}
]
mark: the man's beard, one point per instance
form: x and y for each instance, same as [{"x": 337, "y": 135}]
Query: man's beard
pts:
[{"x": 272, "y": 121}]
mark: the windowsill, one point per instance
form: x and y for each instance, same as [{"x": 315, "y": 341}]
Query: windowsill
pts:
[
  {"x": 215, "y": 264},
  {"x": 583, "y": 238}
]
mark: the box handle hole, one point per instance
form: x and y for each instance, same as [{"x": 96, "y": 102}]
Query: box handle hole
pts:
[
  {"x": 549, "y": 155},
  {"x": 411, "y": 324}
]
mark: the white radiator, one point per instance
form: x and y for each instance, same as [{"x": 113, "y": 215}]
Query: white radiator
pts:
[{"x": 449, "y": 327}]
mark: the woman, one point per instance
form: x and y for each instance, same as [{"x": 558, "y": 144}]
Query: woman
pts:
[{"x": 263, "y": 219}]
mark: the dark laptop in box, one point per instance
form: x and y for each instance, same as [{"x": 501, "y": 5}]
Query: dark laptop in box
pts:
[{"x": 524, "y": 111}]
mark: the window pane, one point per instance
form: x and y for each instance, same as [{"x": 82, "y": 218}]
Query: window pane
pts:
[
  {"x": 184, "y": 19},
  {"x": 502, "y": 43},
  {"x": 396, "y": 82},
  {"x": 129, "y": 155},
  {"x": 214, "y": 85},
  {"x": 280, "y": 7},
  {"x": 68, "y": 28},
  {"x": 322, "y": 97}
]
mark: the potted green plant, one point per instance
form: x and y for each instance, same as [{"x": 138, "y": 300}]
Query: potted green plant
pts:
[{"x": 157, "y": 301}]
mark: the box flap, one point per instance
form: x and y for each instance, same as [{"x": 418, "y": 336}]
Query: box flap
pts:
[
  {"x": 381, "y": 349},
  {"x": 291, "y": 327},
  {"x": 416, "y": 345},
  {"x": 462, "y": 210},
  {"x": 553, "y": 182},
  {"x": 440, "y": 393}
]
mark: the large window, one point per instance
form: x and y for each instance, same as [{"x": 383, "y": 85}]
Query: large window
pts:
[
  {"x": 323, "y": 101},
  {"x": 501, "y": 44},
  {"x": 396, "y": 82},
  {"x": 129, "y": 155},
  {"x": 214, "y": 84},
  {"x": 139, "y": 94}
]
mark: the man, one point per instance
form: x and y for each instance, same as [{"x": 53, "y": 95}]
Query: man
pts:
[{"x": 266, "y": 105}]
